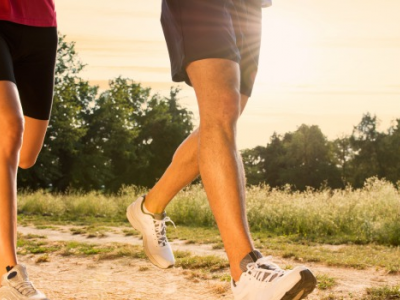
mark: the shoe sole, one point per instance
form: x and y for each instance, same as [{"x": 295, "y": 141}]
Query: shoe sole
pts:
[
  {"x": 138, "y": 227},
  {"x": 9, "y": 293},
  {"x": 303, "y": 288}
]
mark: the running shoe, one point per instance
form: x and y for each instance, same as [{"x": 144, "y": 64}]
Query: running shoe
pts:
[
  {"x": 264, "y": 280},
  {"x": 16, "y": 286},
  {"x": 153, "y": 229}
]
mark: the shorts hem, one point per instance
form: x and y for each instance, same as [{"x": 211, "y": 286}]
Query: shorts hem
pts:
[{"x": 182, "y": 76}]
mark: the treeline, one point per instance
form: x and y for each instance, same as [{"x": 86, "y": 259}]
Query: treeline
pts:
[
  {"x": 126, "y": 136},
  {"x": 305, "y": 158}
]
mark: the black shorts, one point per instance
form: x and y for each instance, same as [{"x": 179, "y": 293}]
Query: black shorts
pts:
[
  {"x": 27, "y": 58},
  {"x": 201, "y": 29}
]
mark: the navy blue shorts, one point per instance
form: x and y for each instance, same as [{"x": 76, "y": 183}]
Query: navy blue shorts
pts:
[
  {"x": 201, "y": 29},
  {"x": 27, "y": 58}
]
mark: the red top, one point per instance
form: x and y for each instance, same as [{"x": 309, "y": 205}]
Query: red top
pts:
[{"x": 40, "y": 13}]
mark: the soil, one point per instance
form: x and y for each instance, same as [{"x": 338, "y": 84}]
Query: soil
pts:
[{"x": 67, "y": 278}]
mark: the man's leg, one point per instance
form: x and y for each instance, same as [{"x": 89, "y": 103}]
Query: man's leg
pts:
[
  {"x": 183, "y": 169},
  {"x": 211, "y": 150},
  {"x": 216, "y": 83}
]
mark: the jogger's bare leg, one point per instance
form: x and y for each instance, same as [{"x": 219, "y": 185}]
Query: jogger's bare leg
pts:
[
  {"x": 216, "y": 83},
  {"x": 21, "y": 142},
  {"x": 183, "y": 169},
  {"x": 12, "y": 126}
]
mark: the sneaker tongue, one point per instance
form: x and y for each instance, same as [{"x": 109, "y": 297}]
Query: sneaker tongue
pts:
[
  {"x": 160, "y": 217},
  {"x": 253, "y": 256}
]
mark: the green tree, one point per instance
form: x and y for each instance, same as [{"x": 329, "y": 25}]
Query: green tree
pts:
[
  {"x": 165, "y": 124},
  {"x": 124, "y": 136},
  {"x": 274, "y": 161},
  {"x": 307, "y": 159},
  {"x": 253, "y": 161},
  {"x": 132, "y": 136},
  {"x": 264, "y": 164},
  {"x": 390, "y": 154},
  {"x": 342, "y": 156},
  {"x": 366, "y": 144}
]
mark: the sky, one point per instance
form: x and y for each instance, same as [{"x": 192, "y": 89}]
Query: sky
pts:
[{"x": 322, "y": 63}]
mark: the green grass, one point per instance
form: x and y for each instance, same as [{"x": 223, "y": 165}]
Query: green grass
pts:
[
  {"x": 209, "y": 263},
  {"x": 368, "y": 215},
  {"x": 345, "y": 228},
  {"x": 350, "y": 256},
  {"x": 383, "y": 293},
  {"x": 90, "y": 231},
  {"x": 289, "y": 247},
  {"x": 325, "y": 282},
  {"x": 340, "y": 249},
  {"x": 198, "y": 268},
  {"x": 30, "y": 244}
]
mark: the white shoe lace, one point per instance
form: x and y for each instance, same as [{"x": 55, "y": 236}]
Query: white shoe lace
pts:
[
  {"x": 264, "y": 270},
  {"x": 161, "y": 232},
  {"x": 26, "y": 288}
]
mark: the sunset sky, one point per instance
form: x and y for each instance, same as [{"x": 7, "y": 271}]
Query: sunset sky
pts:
[{"x": 322, "y": 63}]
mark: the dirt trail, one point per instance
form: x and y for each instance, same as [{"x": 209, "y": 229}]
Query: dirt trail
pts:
[{"x": 67, "y": 278}]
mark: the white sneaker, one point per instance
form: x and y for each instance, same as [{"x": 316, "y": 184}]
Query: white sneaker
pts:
[
  {"x": 16, "y": 286},
  {"x": 153, "y": 229},
  {"x": 264, "y": 280}
]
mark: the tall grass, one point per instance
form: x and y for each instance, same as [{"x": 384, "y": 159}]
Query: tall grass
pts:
[
  {"x": 371, "y": 214},
  {"x": 367, "y": 215}
]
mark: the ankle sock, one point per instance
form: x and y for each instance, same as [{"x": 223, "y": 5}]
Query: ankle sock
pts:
[
  {"x": 9, "y": 268},
  {"x": 253, "y": 256}
]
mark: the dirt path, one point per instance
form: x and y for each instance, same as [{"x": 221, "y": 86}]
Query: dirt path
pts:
[{"x": 85, "y": 278}]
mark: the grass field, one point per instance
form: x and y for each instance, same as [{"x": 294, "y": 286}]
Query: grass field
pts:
[
  {"x": 357, "y": 229},
  {"x": 351, "y": 228},
  {"x": 365, "y": 216}
]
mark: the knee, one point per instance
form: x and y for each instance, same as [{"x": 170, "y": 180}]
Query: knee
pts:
[
  {"x": 11, "y": 140},
  {"x": 225, "y": 115},
  {"x": 26, "y": 162}
]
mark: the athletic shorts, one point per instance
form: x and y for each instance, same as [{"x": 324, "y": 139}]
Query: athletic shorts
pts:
[
  {"x": 201, "y": 29},
  {"x": 27, "y": 58}
]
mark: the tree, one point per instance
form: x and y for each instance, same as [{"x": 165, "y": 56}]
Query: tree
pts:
[
  {"x": 253, "y": 161},
  {"x": 390, "y": 156},
  {"x": 165, "y": 124},
  {"x": 307, "y": 158},
  {"x": 342, "y": 156},
  {"x": 366, "y": 144},
  {"x": 133, "y": 135},
  {"x": 124, "y": 136}
]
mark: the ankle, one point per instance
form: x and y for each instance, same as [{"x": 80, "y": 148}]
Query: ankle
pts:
[
  {"x": 152, "y": 207},
  {"x": 239, "y": 268},
  {"x": 236, "y": 273},
  {"x": 6, "y": 266}
]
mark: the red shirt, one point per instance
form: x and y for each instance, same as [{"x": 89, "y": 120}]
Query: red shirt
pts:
[{"x": 40, "y": 13}]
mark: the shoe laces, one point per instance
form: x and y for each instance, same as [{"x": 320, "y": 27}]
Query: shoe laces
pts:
[
  {"x": 161, "y": 230},
  {"x": 264, "y": 270},
  {"x": 26, "y": 288}
]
